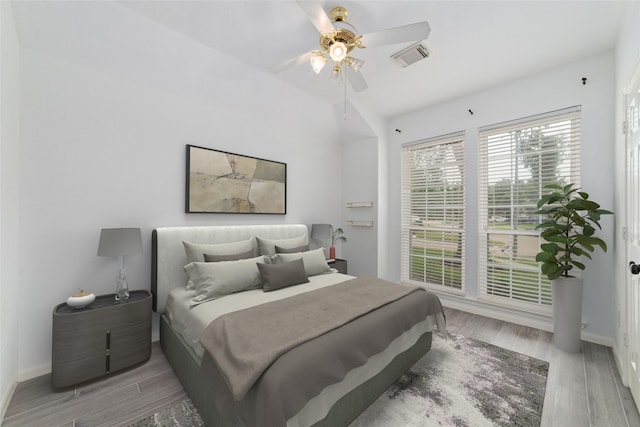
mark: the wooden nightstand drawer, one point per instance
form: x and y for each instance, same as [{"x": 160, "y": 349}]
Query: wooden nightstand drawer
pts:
[{"x": 102, "y": 338}]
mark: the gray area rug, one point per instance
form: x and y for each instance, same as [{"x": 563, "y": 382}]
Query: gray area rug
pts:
[
  {"x": 463, "y": 382},
  {"x": 182, "y": 414},
  {"x": 460, "y": 382}
]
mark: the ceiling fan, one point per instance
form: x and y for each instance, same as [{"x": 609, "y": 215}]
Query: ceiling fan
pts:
[{"x": 338, "y": 38}]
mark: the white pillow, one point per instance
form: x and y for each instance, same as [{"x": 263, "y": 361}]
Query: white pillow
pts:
[
  {"x": 195, "y": 251},
  {"x": 268, "y": 246},
  {"x": 314, "y": 261},
  {"x": 216, "y": 279}
]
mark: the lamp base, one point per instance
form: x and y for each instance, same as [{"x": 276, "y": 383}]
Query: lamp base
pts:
[
  {"x": 122, "y": 290},
  {"x": 122, "y": 295}
]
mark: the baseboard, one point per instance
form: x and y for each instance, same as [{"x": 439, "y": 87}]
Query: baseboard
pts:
[
  {"x": 597, "y": 339},
  {"x": 542, "y": 322},
  {"x": 620, "y": 364},
  {"x": 6, "y": 397},
  {"x": 34, "y": 372}
]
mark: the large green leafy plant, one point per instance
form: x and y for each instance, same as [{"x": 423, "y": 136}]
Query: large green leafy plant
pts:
[{"x": 569, "y": 230}]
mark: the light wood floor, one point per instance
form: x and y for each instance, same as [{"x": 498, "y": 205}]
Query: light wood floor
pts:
[{"x": 582, "y": 389}]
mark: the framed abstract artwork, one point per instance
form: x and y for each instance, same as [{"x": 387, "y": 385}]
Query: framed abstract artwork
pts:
[{"x": 221, "y": 182}]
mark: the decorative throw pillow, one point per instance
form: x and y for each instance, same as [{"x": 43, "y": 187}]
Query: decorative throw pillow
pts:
[
  {"x": 268, "y": 246},
  {"x": 230, "y": 257},
  {"x": 195, "y": 251},
  {"x": 216, "y": 279},
  {"x": 281, "y": 250},
  {"x": 278, "y": 276},
  {"x": 314, "y": 261}
]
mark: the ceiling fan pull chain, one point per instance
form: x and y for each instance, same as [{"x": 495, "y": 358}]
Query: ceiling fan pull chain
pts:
[{"x": 345, "y": 93}]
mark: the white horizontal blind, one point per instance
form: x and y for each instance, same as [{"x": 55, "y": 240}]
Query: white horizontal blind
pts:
[
  {"x": 516, "y": 160},
  {"x": 433, "y": 213}
]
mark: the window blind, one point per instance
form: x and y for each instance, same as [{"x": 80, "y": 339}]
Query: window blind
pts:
[
  {"x": 516, "y": 159},
  {"x": 433, "y": 213}
]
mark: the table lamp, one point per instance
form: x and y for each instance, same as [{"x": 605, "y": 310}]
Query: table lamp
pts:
[
  {"x": 120, "y": 242},
  {"x": 320, "y": 236}
]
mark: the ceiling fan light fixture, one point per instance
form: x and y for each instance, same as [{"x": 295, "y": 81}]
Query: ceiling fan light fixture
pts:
[
  {"x": 317, "y": 62},
  {"x": 338, "y": 51},
  {"x": 355, "y": 64},
  {"x": 336, "y": 74}
]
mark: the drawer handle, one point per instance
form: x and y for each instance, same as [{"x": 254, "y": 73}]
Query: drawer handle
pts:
[{"x": 108, "y": 352}]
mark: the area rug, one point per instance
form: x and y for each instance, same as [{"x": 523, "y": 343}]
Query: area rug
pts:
[
  {"x": 460, "y": 382},
  {"x": 463, "y": 382}
]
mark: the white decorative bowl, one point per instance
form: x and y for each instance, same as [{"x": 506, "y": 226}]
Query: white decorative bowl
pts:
[{"x": 79, "y": 302}]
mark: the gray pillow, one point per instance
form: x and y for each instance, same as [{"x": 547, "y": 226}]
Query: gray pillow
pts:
[
  {"x": 216, "y": 279},
  {"x": 281, "y": 250},
  {"x": 314, "y": 261},
  {"x": 278, "y": 276},
  {"x": 268, "y": 246},
  {"x": 231, "y": 257}
]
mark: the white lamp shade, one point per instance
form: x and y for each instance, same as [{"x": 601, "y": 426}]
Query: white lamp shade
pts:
[
  {"x": 119, "y": 241},
  {"x": 317, "y": 63},
  {"x": 336, "y": 74},
  {"x": 356, "y": 64},
  {"x": 338, "y": 51}
]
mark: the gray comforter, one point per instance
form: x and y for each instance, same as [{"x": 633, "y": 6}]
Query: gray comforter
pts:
[{"x": 289, "y": 337}]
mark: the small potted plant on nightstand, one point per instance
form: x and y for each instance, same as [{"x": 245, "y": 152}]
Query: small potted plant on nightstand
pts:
[
  {"x": 569, "y": 232},
  {"x": 337, "y": 235}
]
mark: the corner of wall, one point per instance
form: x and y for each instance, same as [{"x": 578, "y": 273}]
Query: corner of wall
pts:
[
  {"x": 9, "y": 210},
  {"x": 6, "y": 398}
]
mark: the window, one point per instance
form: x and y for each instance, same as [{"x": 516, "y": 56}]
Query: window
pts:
[
  {"x": 433, "y": 213},
  {"x": 516, "y": 160}
]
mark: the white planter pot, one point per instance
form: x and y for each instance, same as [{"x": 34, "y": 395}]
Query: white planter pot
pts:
[{"x": 567, "y": 313}]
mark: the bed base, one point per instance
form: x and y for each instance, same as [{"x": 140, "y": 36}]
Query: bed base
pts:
[{"x": 187, "y": 368}]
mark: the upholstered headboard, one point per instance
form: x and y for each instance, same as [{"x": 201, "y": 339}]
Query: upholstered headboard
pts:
[{"x": 169, "y": 258}]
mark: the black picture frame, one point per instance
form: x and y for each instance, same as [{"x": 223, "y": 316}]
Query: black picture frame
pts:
[{"x": 222, "y": 182}]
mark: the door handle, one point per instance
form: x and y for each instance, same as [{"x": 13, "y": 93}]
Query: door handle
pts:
[{"x": 635, "y": 268}]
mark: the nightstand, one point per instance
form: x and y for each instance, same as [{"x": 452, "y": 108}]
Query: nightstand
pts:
[
  {"x": 340, "y": 265},
  {"x": 102, "y": 338}
]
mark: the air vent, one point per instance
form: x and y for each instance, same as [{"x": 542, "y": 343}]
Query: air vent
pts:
[{"x": 412, "y": 54}]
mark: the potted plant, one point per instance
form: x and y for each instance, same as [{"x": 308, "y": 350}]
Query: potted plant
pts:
[
  {"x": 569, "y": 232},
  {"x": 337, "y": 235}
]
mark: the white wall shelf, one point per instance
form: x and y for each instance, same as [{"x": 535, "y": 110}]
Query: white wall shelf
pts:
[
  {"x": 359, "y": 204},
  {"x": 360, "y": 223}
]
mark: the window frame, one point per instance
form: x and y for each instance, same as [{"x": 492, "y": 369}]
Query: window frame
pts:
[
  {"x": 449, "y": 230},
  {"x": 494, "y": 267}
]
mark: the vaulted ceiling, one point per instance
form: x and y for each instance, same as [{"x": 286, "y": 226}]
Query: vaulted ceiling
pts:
[{"x": 473, "y": 44}]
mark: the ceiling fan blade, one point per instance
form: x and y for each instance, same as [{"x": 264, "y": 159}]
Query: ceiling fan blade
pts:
[
  {"x": 406, "y": 33},
  {"x": 317, "y": 15},
  {"x": 356, "y": 80},
  {"x": 291, "y": 63}
]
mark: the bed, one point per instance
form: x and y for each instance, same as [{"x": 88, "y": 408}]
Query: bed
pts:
[{"x": 324, "y": 371}]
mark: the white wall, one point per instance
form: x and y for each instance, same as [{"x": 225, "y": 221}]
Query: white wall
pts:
[
  {"x": 99, "y": 150},
  {"x": 380, "y": 128},
  {"x": 547, "y": 91},
  {"x": 360, "y": 184},
  {"x": 627, "y": 60},
  {"x": 9, "y": 184}
]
